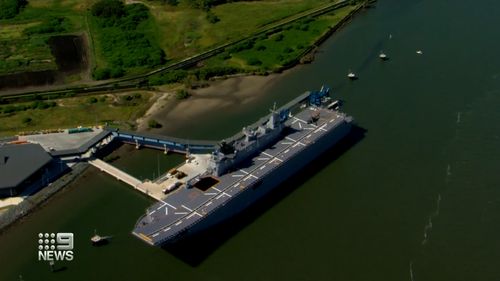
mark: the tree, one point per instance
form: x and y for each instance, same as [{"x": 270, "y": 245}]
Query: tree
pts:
[
  {"x": 10, "y": 8},
  {"x": 108, "y": 9}
]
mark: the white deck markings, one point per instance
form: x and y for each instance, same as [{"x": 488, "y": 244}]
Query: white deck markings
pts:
[
  {"x": 156, "y": 234},
  {"x": 262, "y": 167},
  {"x": 227, "y": 195},
  {"x": 249, "y": 175},
  {"x": 169, "y": 205},
  {"x": 179, "y": 222},
  {"x": 276, "y": 159},
  {"x": 181, "y": 213},
  {"x": 183, "y": 206},
  {"x": 167, "y": 229},
  {"x": 166, "y": 211},
  {"x": 152, "y": 212},
  {"x": 210, "y": 193},
  {"x": 218, "y": 190},
  {"x": 237, "y": 176},
  {"x": 193, "y": 214},
  {"x": 208, "y": 204},
  {"x": 290, "y": 139},
  {"x": 322, "y": 128},
  {"x": 286, "y": 151},
  {"x": 262, "y": 158},
  {"x": 295, "y": 119},
  {"x": 286, "y": 143},
  {"x": 267, "y": 154},
  {"x": 300, "y": 125},
  {"x": 298, "y": 143}
]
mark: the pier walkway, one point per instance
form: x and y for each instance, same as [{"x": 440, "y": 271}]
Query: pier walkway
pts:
[
  {"x": 115, "y": 172},
  {"x": 162, "y": 142}
]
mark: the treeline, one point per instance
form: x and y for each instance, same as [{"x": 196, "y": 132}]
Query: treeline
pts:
[
  {"x": 10, "y": 8},
  {"x": 123, "y": 43},
  {"x": 23, "y": 107},
  {"x": 200, "y": 4},
  {"x": 207, "y": 4},
  {"x": 179, "y": 76}
]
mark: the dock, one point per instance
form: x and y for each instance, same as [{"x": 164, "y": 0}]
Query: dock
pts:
[{"x": 115, "y": 172}]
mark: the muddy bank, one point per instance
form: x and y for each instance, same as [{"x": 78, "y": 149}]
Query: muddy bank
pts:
[
  {"x": 70, "y": 53},
  {"x": 222, "y": 95}
]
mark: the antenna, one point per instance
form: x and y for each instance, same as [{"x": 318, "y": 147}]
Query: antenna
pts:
[{"x": 273, "y": 110}]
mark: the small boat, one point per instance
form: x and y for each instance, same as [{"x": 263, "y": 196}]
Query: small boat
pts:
[
  {"x": 98, "y": 240},
  {"x": 352, "y": 76},
  {"x": 419, "y": 52},
  {"x": 383, "y": 56}
]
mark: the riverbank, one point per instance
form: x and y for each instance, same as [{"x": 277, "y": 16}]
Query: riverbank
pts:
[
  {"x": 224, "y": 92},
  {"x": 220, "y": 95}
]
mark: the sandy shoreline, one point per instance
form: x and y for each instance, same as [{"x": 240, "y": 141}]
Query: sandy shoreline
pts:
[{"x": 219, "y": 95}]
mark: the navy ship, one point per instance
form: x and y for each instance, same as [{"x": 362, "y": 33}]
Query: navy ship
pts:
[{"x": 209, "y": 188}]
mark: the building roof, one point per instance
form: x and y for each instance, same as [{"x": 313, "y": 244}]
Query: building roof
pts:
[{"x": 19, "y": 161}]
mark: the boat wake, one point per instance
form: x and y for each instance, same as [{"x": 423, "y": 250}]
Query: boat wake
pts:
[
  {"x": 411, "y": 271},
  {"x": 428, "y": 226}
]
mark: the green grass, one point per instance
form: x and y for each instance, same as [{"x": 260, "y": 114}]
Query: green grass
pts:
[
  {"x": 71, "y": 112},
  {"x": 271, "y": 53},
  {"x": 184, "y": 31},
  {"x": 181, "y": 31},
  {"x": 20, "y": 52}
]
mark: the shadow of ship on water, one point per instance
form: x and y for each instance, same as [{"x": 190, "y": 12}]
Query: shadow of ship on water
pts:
[{"x": 195, "y": 248}]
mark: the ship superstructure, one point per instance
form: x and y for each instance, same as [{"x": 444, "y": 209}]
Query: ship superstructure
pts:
[{"x": 209, "y": 188}]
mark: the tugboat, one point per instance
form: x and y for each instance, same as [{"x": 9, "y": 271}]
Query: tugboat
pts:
[{"x": 98, "y": 240}]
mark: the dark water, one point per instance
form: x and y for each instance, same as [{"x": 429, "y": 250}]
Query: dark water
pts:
[{"x": 416, "y": 199}]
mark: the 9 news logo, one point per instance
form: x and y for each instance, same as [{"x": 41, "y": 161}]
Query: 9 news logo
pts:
[{"x": 55, "y": 246}]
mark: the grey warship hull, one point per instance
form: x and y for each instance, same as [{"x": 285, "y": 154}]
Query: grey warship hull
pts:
[{"x": 190, "y": 210}]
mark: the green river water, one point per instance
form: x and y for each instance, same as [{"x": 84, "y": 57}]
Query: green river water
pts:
[{"x": 417, "y": 198}]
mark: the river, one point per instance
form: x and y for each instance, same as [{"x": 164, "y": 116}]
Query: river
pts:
[{"x": 416, "y": 198}]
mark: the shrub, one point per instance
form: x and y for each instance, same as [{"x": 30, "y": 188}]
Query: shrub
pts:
[
  {"x": 10, "y": 8},
  {"x": 261, "y": 48},
  {"x": 254, "y": 61},
  {"x": 212, "y": 18},
  {"x": 182, "y": 94},
  {"x": 108, "y": 9},
  {"x": 27, "y": 120},
  {"x": 279, "y": 37},
  {"x": 101, "y": 73},
  {"x": 153, "y": 124},
  {"x": 92, "y": 100},
  {"x": 209, "y": 72},
  {"x": 116, "y": 72},
  {"x": 168, "y": 77}
]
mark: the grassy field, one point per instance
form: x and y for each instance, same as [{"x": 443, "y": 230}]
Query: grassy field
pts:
[
  {"x": 280, "y": 48},
  {"x": 120, "y": 110},
  {"x": 180, "y": 31},
  {"x": 183, "y": 31},
  {"x": 22, "y": 52}
]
